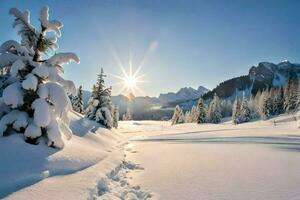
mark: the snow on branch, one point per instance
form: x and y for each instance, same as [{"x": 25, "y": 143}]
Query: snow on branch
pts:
[
  {"x": 12, "y": 45},
  {"x": 21, "y": 18},
  {"x": 16, "y": 118},
  {"x": 62, "y": 58},
  {"x": 50, "y": 26},
  {"x": 13, "y": 95},
  {"x": 56, "y": 95},
  {"x": 7, "y": 59}
]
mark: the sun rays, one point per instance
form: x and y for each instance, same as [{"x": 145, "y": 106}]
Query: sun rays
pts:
[{"x": 131, "y": 79}]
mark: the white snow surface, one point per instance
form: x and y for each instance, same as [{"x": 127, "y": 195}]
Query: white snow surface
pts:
[
  {"x": 40, "y": 172},
  {"x": 255, "y": 160}
]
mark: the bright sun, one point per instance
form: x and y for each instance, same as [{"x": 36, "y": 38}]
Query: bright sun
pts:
[{"x": 130, "y": 80}]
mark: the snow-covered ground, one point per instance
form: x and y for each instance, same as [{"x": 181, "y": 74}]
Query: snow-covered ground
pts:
[
  {"x": 88, "y": 167},
  {"x": 256, "y": 160}
]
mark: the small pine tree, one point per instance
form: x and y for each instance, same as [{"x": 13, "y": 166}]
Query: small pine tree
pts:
[
  {"x": 77, "y": 101},
  {"x": 187, "y": 117},
  {"x": 127, "y": 115},
  {"x": 278, "y": 102},
  {"x": 245, "y": 112},
  {"x": 266, "y": 105},
  {"x": 201, "y": 118},
  {"x": 214, "y": 112},
  {"x": 236, "y": 111},
  {"x": 291, "y": 96},
  {"x": 115, "y": 116},
  {"x": 99, "y": 105},
  {"x": 178, "y": 117},
  {"x": 194, "y": 114}
]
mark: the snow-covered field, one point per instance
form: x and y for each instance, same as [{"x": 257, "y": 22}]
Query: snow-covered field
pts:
[{"x": 256, "y": 160}]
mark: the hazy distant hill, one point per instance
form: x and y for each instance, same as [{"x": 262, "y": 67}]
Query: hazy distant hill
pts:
[
  {"x": 153, "y": 107},
  {"x": 183, "y": 94}
]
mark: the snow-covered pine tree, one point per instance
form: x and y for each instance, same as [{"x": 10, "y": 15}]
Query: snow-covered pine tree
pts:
[
  {"x": 34, "y": 94},
  {"x": 77, "y": 101},
  {"x": 187, "y": 117},
  {"x": 236, "y": 111},
  {"x": 127, "y": 115},
  {"x": 201, "y": 118},
  {"x": 178, "y": 116},
  {"x": 104, "y": 109},
  {"x": 99, "y": 105},
  {"x": 80, "y": 100},
  {"x": 215, "y": 110},
  {"x": 265, "y": 105},
  {"x": 115, "y": 116},
  {"x": 298, "y": 99},
  {"x": 194, "y": 114},
  {"x": 291, "y": 96},
  {"x": 278, "y": 101},
  {"x": 245, "y": 112}
]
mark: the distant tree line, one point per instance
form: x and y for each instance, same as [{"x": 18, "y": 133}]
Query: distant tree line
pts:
[{"x": 264, "y": 104}]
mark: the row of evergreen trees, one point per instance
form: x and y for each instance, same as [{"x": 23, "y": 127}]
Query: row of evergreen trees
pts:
[{"x": 263, "y": 105}]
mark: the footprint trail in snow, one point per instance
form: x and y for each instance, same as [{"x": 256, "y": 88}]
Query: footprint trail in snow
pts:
[{"x": 116, "y": 185}]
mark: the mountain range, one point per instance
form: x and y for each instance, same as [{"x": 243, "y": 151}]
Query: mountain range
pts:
[
  {"x": 264, "y": 75},
  {"x": 153, "y": 107}
]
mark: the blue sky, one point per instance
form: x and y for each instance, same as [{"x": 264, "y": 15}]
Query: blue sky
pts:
[{"x": 196, "y": 42}]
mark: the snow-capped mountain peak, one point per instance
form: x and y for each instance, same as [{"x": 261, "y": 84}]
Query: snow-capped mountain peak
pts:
[{"x": 183, "y": 94}]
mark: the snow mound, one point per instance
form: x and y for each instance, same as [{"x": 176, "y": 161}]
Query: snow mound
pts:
[{"x": 29, "y": 171}]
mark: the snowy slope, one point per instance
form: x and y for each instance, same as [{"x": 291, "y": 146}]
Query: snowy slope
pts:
[
  {"x": 255, "y": 160},
  {"x": 40, "y": 172}
]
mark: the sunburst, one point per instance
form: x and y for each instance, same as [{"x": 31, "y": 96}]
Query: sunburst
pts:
[{"x": 131, "y": 80}]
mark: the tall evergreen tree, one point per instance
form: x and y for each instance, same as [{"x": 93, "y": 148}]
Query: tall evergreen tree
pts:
[
  {"x": 201, "y": 118},
  {"x": 265, "y": 105},
  {"x": 187, "y": 117},
  {"x": 35, "y": 93},
  {"x": 214, "y": 112},
  {"x": 278, "y": 102},
  {"x": 236, "y": 111},
  {"x": 115, "y": 116},
  {"x": 194, "y": 114},
  {"x": 291, "y": 96},
  {"x": 77, "y": 101},
  {"x": 100, "y": 106},
  {"x": 178, "y": 117},
  {"x": 127, "y": 115},
  {"x": 245, "y": 112}
]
